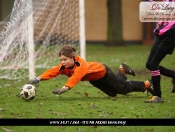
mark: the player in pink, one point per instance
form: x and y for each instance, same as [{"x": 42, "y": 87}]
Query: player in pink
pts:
[{"x": 164, "y": 44}]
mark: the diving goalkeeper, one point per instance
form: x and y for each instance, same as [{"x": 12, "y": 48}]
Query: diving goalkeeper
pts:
[{"x": 98, "y": 74}]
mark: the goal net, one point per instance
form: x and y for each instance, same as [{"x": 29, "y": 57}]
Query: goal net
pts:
[{"x": 34, "y": 34}]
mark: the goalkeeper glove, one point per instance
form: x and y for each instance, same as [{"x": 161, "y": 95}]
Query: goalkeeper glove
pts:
[
  {"x": 35, "y": 81},
  {"x": 61, "y": 90}
]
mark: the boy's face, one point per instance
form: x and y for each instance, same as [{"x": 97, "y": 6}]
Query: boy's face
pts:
[{"x": 66, "y": 61}]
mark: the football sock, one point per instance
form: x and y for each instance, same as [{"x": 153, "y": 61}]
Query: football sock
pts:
[
  {"x": 156, "y": 82},
  {"x": 122, "y": 69},
  {"x": 147, "y": 85}
]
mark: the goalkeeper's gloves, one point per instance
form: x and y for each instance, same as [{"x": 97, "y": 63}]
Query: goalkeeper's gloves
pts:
[
  {"x": 35, "y": 81},
  {"x": 61, "y": 90}
]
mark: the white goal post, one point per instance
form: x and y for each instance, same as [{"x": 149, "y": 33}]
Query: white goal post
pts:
[
  {"x": 82, "y": 29},
  {"x": 31, "y": 49},
  {"x": 31, "y": 42}
]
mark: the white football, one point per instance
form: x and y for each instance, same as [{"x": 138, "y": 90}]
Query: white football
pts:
[{"x": 28, "y": 92}]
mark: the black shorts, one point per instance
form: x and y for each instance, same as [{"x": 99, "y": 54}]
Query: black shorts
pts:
[
  {"x": 165, "y": 42},
  {"x": 111, "y": 84}
]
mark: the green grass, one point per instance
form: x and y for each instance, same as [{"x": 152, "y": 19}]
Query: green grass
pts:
[{"x": 75, "y": 104}]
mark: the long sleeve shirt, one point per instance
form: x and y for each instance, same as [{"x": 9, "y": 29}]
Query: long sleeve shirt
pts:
[{"x": 81, "y": 71}]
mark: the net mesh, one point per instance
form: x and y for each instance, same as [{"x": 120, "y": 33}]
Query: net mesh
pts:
[{"x": 55, "y": 23}]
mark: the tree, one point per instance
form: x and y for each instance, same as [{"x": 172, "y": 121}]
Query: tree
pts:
[{"x": 114, "y": 35}]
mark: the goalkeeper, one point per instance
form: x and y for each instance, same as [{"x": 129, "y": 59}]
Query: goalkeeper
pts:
[{"x": 98, "y": 74}]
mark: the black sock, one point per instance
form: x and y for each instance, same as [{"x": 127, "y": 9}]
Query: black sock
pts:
[{"x": 156, "y": 85}]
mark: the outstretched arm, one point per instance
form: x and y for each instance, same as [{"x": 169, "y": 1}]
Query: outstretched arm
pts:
[{"x": 48, "y": 74}]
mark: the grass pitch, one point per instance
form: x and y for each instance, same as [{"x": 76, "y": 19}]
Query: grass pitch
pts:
[{"x": 86, "y": 101}]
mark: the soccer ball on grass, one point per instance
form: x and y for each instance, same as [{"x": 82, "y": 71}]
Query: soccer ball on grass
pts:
[{"x": 28, "y": 92}]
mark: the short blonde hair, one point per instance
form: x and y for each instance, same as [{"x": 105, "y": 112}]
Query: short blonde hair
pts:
[{"x": 68, "y": 51}]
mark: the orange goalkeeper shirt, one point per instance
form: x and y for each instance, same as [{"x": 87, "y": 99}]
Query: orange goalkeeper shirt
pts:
[{"x": 82, "y": 71}]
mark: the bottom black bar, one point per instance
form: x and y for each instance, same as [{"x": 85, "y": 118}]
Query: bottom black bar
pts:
[{"x": 87, "y": 122}]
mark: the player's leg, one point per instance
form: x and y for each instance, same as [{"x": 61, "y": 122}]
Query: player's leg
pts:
[
  {"x": 152, "y": 52},
  {"x": 173, "y": 82},
  {"x": 121, "y": 75},
  {"x": 116, "y": 81},
  {"x": 123, "y": 70},
  {"x": 100, "y": 84},
  {"x": 155, "y": 77},
  {"x": 112, "y": 85},
  {"x": 109, "y": 83},
  {"x": 136, "y": 86},
  {"x": 168, "y": 45},
  {"x": 169, "y": 73},
  {"x": 155, "y": 72},
  {"x": 126, "y": 69}
]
